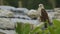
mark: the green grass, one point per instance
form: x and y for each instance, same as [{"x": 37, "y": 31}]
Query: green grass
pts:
[
  {"x": 26, "y": 28},
  {"x": 57, "y": 26}
]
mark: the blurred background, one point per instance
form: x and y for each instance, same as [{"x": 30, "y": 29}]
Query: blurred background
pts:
[
  {"x": 26, "y": 11},
  {"x": 31, "y": 4}
]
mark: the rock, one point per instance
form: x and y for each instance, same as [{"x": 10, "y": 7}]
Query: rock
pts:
[
  {"x": 57, "y": 13},
  {"x": 7, "y": 7},
  {"x": 6, "y": 13},
  {"x": 33, "y": 13},
  {"x": 6, "y": 23},
  {"x": 21, "y": 10},
  {"x": 2, "y": 33},
  {"x": 8, "y": 31}
]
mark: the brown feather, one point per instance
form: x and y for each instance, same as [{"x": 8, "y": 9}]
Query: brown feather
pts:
[{"x": 44, "y": 17}]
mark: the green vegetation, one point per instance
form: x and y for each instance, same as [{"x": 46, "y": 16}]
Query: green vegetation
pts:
[
  {"x": 23, "y": 28},
  {"x": 26, "y": 28},
  {"x": 33, "y": 4}
]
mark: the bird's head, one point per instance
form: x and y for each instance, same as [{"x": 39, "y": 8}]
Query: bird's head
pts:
[{"x": 41, "y": 6}]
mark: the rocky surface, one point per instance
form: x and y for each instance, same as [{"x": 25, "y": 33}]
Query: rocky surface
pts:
[
  {"x": 6, "y": 13},
  {"x": 7, "y": 31},
  {"x": 57, "y": 13},
  {"x": 6, "y": 22},
  {"x": 9, "y": 23}
]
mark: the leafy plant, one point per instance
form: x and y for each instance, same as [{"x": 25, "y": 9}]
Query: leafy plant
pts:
[{"x": 25, "y": 28}]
